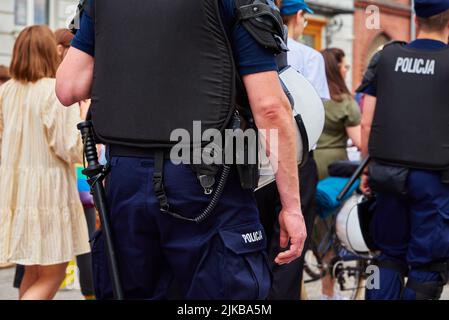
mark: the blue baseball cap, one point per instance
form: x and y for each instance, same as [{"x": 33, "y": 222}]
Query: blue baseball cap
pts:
[
  {"x": 429, "y": 8},
  {"x": 293, "y": 6}
]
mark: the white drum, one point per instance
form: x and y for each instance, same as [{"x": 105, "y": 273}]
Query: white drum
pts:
[
  {"x": 309, "y": 106},
  {"x": 348, "y": 228}
]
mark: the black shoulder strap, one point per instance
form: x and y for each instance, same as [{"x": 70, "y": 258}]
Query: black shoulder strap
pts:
[{"x": 264, "y": 22}]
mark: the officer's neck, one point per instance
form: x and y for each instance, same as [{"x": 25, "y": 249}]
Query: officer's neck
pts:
[{"x": 438, "y": 36}]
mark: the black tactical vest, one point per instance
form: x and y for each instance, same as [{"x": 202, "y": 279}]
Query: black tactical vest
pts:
[
  {"x": 411, "y": 121},
  {"x": 159, "y": 66}
]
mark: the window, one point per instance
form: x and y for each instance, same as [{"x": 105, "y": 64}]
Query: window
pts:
[
  {"x": 29, "y": 12},
  {"x": 313, "y": 33},
  {"x": 40, "y": 11},
  {"x": 21, "y": 12}
]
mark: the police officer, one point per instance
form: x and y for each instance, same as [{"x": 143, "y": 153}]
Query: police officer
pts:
[
  {"x": 406, "y": 126},
  {"x": 152, "y": 67}
]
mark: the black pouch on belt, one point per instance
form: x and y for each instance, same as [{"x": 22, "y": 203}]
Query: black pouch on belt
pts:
[
  {"x": 245, "y": 152},
  {"x": 388, "y": 179}
]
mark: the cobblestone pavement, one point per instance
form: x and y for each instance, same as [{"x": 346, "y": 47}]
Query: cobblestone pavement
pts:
[{"x": 7, "y": 292}]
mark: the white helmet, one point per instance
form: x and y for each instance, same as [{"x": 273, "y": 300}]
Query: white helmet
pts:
[
  {"x": 309, "y": 114},
  {"x": 349, "y": 228}
]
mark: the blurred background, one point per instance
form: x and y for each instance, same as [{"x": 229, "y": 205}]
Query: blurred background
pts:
[{"x": 336, "y": 23}]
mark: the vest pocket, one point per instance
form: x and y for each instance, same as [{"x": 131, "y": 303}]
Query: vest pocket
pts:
[
  {"x": 246, "y": 272},
  {"x": 388, "y": 179}
]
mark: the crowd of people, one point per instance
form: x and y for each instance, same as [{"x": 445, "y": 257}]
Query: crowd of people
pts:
[{"x": 47, "y": 215}]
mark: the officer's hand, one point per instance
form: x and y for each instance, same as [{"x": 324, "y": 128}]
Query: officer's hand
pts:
[
  {"x": 293, "y": 228},
  {"x": 364, "y": 186}
]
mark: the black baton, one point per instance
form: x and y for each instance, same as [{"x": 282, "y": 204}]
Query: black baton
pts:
[
  {"x": 353, "y": 178},
  {"x": 96, "y": 174}
]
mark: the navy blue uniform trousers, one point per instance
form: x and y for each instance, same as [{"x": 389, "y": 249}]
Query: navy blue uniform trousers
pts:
[
  {"x": 222, "y": 258},
  {"x": 413, "y": 231}
]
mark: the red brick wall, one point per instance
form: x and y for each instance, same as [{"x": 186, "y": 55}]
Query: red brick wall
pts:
[{"x": 394, "y": 22}]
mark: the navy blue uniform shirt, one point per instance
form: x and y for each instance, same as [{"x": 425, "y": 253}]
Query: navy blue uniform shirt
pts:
[
  {"x": 419, "y": 44},
  {"x": 250, "y": 57}
]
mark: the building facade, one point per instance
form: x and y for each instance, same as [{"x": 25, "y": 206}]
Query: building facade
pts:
[
  {"x": 332, "y": 25},
  {"x": 336, "y": 23},
  {"x": 16, "y": 14},
  {"x": 395, "y": 23}
]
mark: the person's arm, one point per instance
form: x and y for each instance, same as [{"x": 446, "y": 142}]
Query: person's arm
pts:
[
  {"x": 75, "y": 74},
  {"x": 369, "y": 108},
  {"x": 354, "y": 133},
  {"x": 272, "y": 111},
  {"x": 84, "y": 108},
  {"x": 74, "y": 77},
  {"x": 352, "y": 122},
  {"x": 369, "y": 88}
]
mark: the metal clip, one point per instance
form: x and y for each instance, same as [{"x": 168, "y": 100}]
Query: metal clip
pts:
[{"x": 207, "y": 182}]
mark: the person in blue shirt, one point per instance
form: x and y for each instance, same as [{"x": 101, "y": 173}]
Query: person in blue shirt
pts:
[
  {"x": 224, "y": 257},
  {"x": 411, "y": 220}
]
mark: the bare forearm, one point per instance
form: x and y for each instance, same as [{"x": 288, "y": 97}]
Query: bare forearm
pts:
[
  {"x": 283, "y": 156},
  {"x": 355, "y": 135},
  {"x": 367, "y": 120},
  {"x": 366, "y": 130},
  {"x": 287, "y": 176}
]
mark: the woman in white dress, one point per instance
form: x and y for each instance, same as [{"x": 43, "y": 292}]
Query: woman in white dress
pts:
[{"x": 42, "y": 223}]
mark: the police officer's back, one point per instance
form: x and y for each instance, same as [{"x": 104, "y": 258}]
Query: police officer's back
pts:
[
  {"x": 406, "y": 117},
  {"x": 161, "y": 66}
]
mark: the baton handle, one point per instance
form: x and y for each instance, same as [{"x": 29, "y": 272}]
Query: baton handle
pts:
[
  {"x": 94, "y": 172},
  {"x": 353, "y": 178}
]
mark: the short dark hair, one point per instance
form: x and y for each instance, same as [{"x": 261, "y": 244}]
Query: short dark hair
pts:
[{"x": 435, "y": 23}]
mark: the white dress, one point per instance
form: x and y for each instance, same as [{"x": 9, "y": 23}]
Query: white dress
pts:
[{"x": 42, "y": 221}]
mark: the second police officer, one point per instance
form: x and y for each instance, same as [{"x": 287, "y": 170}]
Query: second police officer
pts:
[{"x": 406, "y": 122}]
